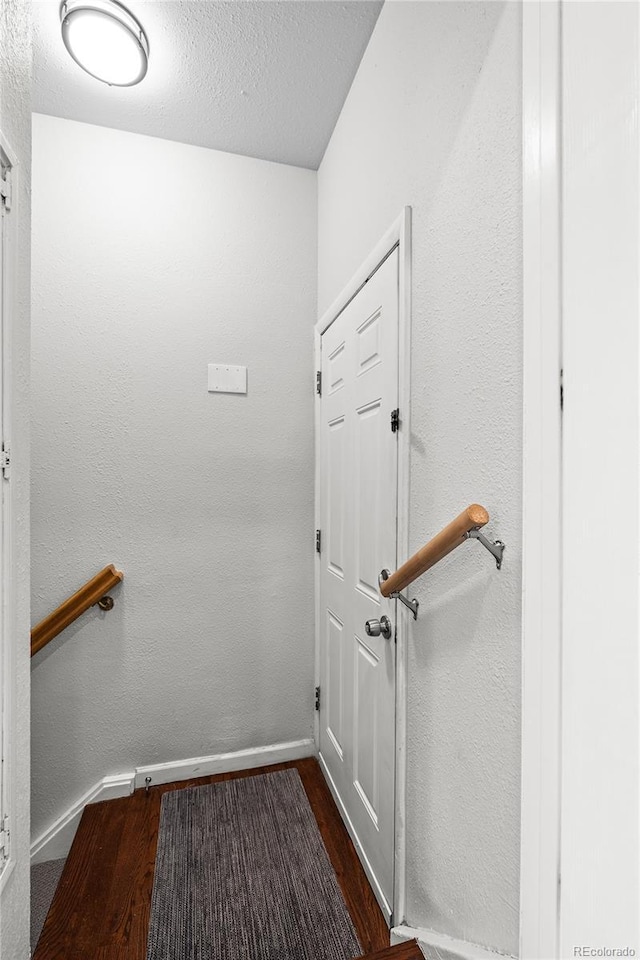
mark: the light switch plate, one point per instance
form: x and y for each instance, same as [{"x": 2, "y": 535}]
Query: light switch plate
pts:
[{"x": 227, "y": 378}]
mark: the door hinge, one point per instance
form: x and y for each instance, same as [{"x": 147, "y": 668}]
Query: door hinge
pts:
[
  {"x": 319, "y": 382},
  {"x": 318, "y": 541},
  {"x": 5, "y": 460},
  {"x": 395, "y": 420},
  {"x": 317, "y": 698},
  {"x": 5, "y": 837},
  {"x": 5, "y": 191},
  {"x": 561, "y": 389}
]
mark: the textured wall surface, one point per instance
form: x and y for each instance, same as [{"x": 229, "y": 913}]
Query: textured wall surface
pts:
[
  {"x": 262, "y": 79},
  {"x": 150, "y": 260},
  {"x": 434, "y": 120},
  {"x": 15, "y": 123}
]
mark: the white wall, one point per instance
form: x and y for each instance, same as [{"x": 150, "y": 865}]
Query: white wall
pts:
[
  {"x": 599, "y": 894},
  {"x": 15, "y": 123},
  {"x": 434, "y": 120},
  {"x": 151, "y": 259}
]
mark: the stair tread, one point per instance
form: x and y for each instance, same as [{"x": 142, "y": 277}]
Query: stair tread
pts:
[{"x": 102, "y": 904}]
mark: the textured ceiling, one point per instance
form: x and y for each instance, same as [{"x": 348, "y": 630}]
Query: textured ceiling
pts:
[{"x": 264, "y": 78}]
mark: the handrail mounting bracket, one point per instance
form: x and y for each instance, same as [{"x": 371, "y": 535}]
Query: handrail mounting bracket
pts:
[
  {"x": 495, "y": 547},
  {"x": 410, "y": 604}
]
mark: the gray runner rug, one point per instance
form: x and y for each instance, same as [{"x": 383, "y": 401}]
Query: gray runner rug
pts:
[{"x": 242, "y": 874}]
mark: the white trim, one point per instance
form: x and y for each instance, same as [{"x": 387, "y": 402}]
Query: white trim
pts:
[
  {"x": 8, "y": 151},
  {"x": 8, "y": 648},
  {"x": 395, "y": 235},
  {"x": 398, "y": 235},
  {"x": 55, "y": 842},
  {"x": 432, "y": 944},
  {"x": 599, "y": 894},
  {"x": 541, "y": 577},
  {"x": 404, "y": 620},
  {"x": 224, "y": 762},
  {"x": 317, "y": 357}
]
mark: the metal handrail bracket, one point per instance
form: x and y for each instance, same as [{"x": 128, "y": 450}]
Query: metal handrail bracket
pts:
[
  {"x": 464, "y": 527},
  {"x": 410, "y": 604},
  {"x": 495, "y": 547}
]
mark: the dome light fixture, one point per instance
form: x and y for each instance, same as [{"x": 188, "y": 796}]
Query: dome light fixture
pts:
[{"x": 106, "y": 40}]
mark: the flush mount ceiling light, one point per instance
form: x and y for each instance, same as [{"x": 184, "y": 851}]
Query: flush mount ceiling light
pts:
[{"x": 106, "y": 40}]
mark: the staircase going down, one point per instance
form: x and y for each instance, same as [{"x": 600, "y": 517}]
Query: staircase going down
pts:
[{"x": 102, "y": 905}]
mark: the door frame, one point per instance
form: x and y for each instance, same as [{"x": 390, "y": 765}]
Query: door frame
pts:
[
  {"x": 398, "y": 235},
  {"x": 8, "y": 696},
  {"x": 542, "y": 482}
]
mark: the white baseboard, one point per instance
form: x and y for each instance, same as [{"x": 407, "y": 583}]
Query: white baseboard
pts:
[
  {"x": 55, "y": 842},
  {"x": 437, "y": 946},
  {"x": 224, "y": 762}
]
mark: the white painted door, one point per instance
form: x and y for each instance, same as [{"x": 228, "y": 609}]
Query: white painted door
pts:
[{"x": 358, "y": 509}]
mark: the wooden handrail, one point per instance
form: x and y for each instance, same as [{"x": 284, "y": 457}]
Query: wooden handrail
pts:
[
  {"x": 88, "y": 595},
  {"x": 443, "y": 543}
]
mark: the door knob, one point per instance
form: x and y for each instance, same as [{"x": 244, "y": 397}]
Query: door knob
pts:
[{"x": 376, "y": 628}]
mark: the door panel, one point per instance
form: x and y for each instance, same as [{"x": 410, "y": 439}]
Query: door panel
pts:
[
  {"x": 365, "y": 768},
  {"x": 336, "y": 505},
  {"x": 358, "y": 504},
  {"x": 334, "y": 687},
  {"x": 367, "y": 439}
]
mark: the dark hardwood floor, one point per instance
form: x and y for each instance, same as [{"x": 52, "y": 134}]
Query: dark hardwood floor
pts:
[{"x": 101, "y": 908}]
